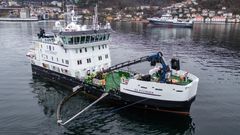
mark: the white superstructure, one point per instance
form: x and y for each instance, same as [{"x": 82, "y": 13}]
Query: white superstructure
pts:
[{"x": 74, "y": 50}]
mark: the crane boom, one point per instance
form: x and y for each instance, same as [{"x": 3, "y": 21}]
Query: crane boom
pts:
[{"x": 153, "y": 59}]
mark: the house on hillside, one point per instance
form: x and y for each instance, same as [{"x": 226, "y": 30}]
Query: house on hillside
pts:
[
  {"x": 193, "y": 10},
  {"x": 108, "y": 9},
  {"x": 204, "y": 12},
  {"x": 237, "y": 20},
  {"x": 211, "y": 13},
  {"x": 144, "y": 7},
  {"x": 220, "y": 12},
  {"x": 193, "y": 15},
  {"x": 229, "y": 15}
]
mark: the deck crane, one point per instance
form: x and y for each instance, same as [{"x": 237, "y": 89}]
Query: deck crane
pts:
[{"x": 153, "y": 59}]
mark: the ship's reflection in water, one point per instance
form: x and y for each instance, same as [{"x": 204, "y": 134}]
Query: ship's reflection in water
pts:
[{"x": 100, "y": 120}]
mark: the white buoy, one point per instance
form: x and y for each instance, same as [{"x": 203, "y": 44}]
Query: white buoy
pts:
[{"x": 76, "y": 88}]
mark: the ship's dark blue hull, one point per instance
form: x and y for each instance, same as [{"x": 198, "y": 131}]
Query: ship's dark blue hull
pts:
[
  {"x": 115, "y": 97},
  {"x": 169, "y": 24}
]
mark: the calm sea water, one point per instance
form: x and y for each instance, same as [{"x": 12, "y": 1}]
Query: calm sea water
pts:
[{"x": 211, "y": 52}]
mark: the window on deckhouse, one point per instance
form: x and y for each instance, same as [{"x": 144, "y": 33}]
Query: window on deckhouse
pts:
[
  {"x": 83, "y": 39},
  {"x": 79, "y": 62},
  {"x": 76, "y": 40},
  {"x": 89, "y": 60},
  {"x": 87, "y": 39}
]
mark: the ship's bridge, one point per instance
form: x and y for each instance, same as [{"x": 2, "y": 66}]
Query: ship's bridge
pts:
[{"x": 77, "y": 39}]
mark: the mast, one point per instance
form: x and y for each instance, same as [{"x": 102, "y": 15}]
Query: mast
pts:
[
  {"x": 95, "y": 18},
  {"x": 64, "y": 10}
]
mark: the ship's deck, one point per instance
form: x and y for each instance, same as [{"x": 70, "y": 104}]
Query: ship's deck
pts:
[{"x": 113, "y": 80}]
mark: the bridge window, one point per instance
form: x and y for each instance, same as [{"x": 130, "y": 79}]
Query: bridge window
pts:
[
  {"x": 50, "y": 48},
  {"x": 80, "y": 50},
  {"x": 87, "y": 39},
  {"x": 104, "y": 37},
  {"x": 92, "y": 38},
  {"x": 83, "y": 39},
  {"x": 64, "y": 40},
  {"x": 70, "y": 40},
  {"x": 85, "y": 49},
  {"x": 108, "y": 36},
  {"x": 93, "y": 48},
  {"x": 76, "y": 40},
  {"x": 96, "y": 38},
  {"x": 100, "y": 37},
  {"x": 99, "y": 47}
]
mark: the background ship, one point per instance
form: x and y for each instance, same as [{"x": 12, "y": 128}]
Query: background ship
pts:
[{"x": 168, "y": 21}]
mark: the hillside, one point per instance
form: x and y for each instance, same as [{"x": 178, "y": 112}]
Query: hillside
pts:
[
  {"x": 125, "y": 3},
  {"x": 110, "y": 3},
  {"x": 232, "y": 5}
]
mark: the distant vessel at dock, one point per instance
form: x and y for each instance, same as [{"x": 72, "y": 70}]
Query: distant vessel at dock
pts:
[
  {"x": 169, "y": 21},
  {"x": 18, "y": 19},
  {"x": 23, "y": 15}
]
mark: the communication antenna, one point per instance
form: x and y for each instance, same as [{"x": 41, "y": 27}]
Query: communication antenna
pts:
[{"x": 95, "y": 18}]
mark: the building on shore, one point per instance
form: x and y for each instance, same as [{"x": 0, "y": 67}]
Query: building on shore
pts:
[
  {"x": 25, "y": 13},
  {"x": 218, "y": 19},
  {"x": 198, "y": 18},
  {"x": 207, "y": 20},
  {"x": 231, "y": 20}
]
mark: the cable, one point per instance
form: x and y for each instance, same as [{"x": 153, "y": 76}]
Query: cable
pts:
[{"x": 117, "y": 109}]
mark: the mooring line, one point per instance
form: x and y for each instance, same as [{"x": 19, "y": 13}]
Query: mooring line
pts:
[
  {"x": 64, "y": 100},
  {"x": 103, "y": 95},
  {"x": 118, "y": 109}
]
